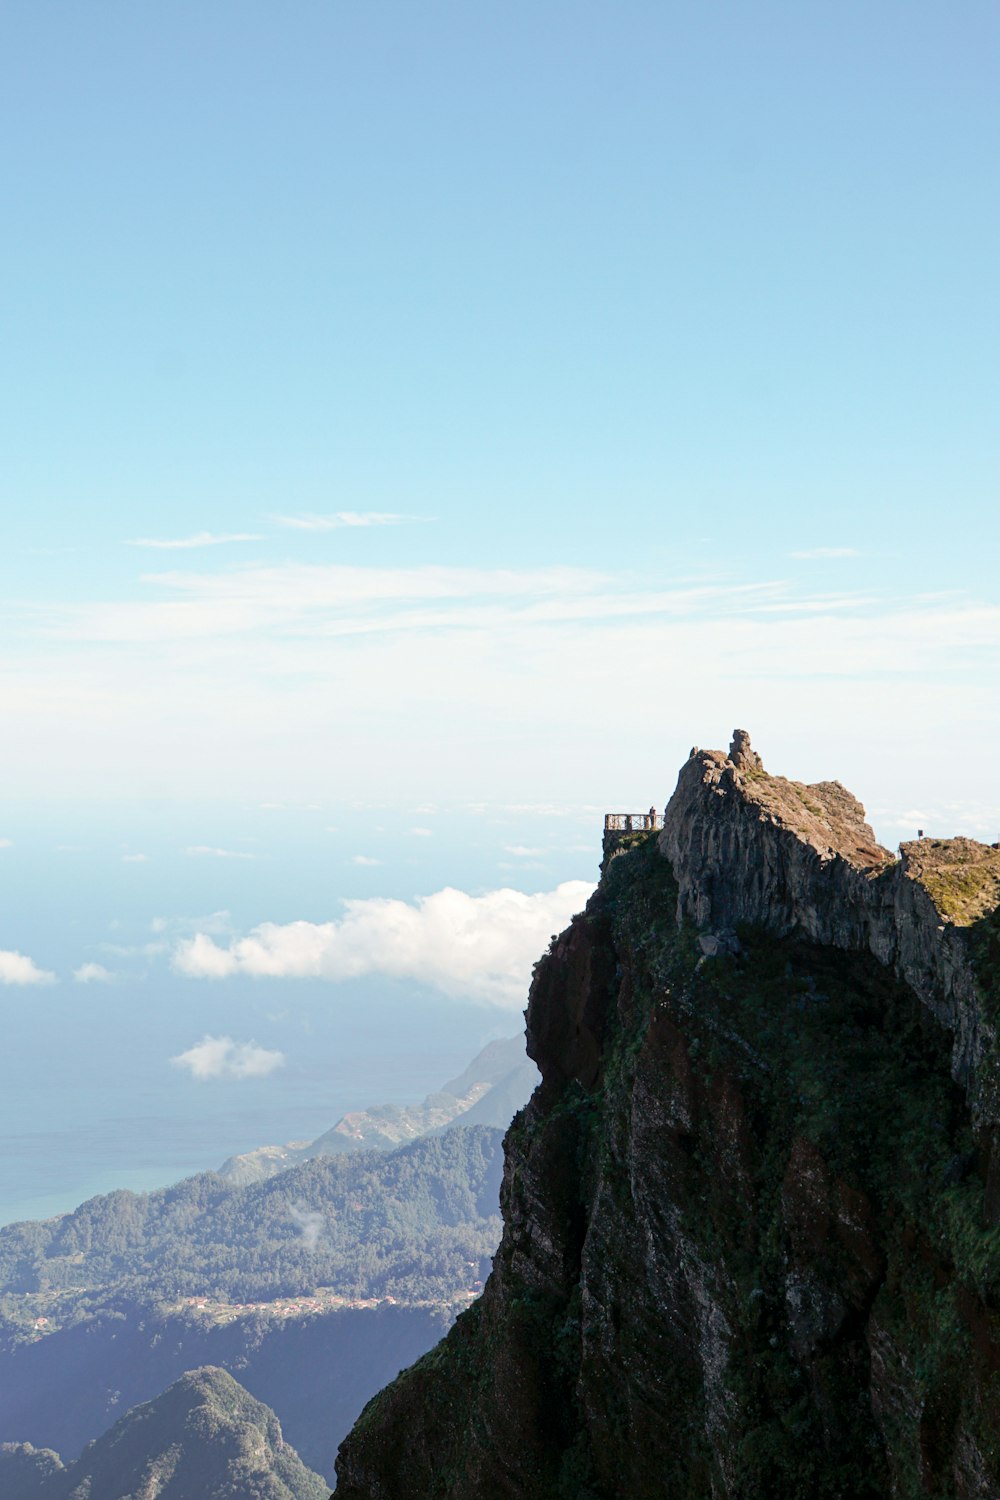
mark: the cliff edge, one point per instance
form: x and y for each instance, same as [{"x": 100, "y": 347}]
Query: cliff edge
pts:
[{"x": 749, "y": 1245}]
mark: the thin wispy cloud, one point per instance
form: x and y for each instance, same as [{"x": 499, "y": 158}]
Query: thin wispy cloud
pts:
[
  {"x": 815, "y": 554},
  {"x": 199, "y": 539},
  {"x": 135, "y": 950},
  {"x": 135, "y": 859},
  {"x": 6, "y": 843},
  {"x": 365, "y": 859},
  {"x": 347, "y": 518},
  {"x": 940, "y": 820},
  {"x": 218, "y": 923},
  {"x": 207, "y": 851},
  {"x": 821, "y": 604},
  {"x": 91, "y": 973},
  {"x": 309, "y": 1222},
  {"x": 479, "y": 948},
  {"x": 18, "y": 968},
  {"x": 222, "y": 1057},
  {"x": 320, "y": 601}
]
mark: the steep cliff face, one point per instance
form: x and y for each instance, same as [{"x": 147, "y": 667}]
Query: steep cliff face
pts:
[{"x": 747, "y": 1247}]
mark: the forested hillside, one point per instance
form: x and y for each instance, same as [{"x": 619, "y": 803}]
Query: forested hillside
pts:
[
  {"x": 203, "y": 1439},
  {"x": 313, "y": 1288},
  {"x": 418, "y": 1223}
]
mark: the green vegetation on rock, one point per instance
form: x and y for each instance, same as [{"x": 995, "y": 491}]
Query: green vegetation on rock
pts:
[{"x": 962, "y": 877}]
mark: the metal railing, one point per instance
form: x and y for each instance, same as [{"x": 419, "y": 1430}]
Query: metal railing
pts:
[{"x": 633, "y": 822}]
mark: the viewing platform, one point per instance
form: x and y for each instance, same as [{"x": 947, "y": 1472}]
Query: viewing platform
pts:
[
  {"x": 617, "y": 827},
  {"x": 645, "y": 822}
]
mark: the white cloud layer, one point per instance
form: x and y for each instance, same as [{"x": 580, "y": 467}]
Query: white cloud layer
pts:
[
  {"x": 222, "y": 1057},
  {"x": 479, "y": 948},
  {"x": 17, "y": 968},
  {"x": 436, "y": 684}
]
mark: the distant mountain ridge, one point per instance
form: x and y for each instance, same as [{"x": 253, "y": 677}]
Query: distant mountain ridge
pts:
[
  {"x": 205, "y": 1438},
  {"x": 314, "y": 1279},
  {"x": 490, "y": 1091},
  {"x": 338, "y": 1271}
]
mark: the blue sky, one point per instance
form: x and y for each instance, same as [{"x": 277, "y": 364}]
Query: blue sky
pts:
[
  {"x": 436, "y": 416},
  {"x": 673, "y": 297},
  {"x": 661, "y": 284}
]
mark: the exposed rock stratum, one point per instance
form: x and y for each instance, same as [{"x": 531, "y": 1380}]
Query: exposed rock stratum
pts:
[{"x": 750, "y": 1214}]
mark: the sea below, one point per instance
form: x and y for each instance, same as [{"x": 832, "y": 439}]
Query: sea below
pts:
[{"x": 92, "y": 1098}]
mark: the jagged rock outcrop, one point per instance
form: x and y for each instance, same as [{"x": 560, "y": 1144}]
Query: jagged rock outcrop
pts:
[
  {"x": 749, "y": 848},
  {"x": 747, "y": 1243}
]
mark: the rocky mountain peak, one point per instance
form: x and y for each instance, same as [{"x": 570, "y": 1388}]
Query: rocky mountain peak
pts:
[
  {"x": 751, "y": 849},
  {"x": 742, "y": 754},
  {"x": 824, "y": 815}
]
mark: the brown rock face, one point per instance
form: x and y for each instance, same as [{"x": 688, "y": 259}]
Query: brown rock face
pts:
[
  {"x": 746, "y": 1248},
  {"x": 752, "y": 849},
  {"x": 742, "y": 754}
]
